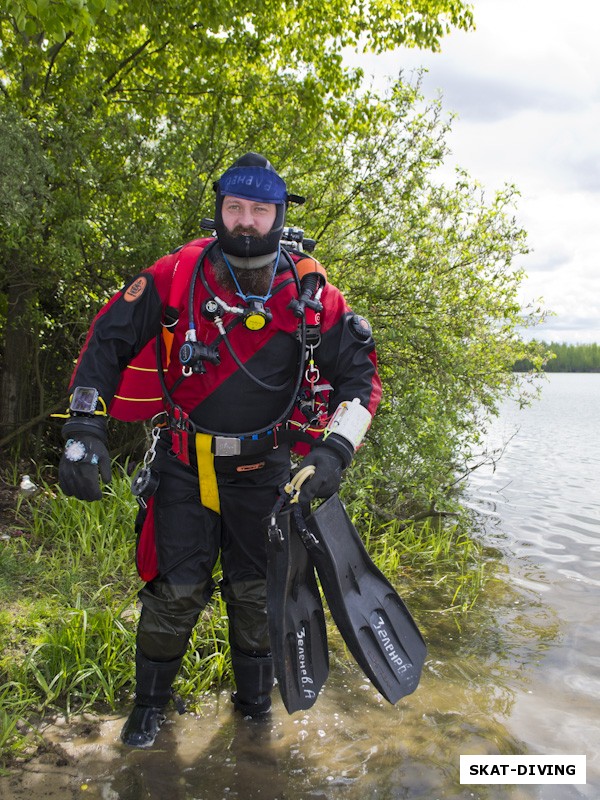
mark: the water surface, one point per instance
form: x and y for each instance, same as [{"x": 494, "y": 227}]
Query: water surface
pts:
[{"x": 540, "y": 505}]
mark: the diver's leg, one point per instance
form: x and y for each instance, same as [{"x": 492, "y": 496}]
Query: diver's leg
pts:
[{"x": 187, "y": 540}]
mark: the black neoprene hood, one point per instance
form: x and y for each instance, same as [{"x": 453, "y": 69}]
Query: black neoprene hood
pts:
[{"x": 251, "y": 177}]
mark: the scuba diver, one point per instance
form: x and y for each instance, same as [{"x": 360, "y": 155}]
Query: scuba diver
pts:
[{"x": 211, "y": 342}]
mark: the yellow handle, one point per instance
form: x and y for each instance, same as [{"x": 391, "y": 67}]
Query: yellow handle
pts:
[{"x": 293, "y": 487}]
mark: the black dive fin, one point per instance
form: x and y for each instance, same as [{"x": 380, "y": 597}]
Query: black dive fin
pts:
[
  {"x": 372, "y": 619},
  {"x": 296, "y": 619}
]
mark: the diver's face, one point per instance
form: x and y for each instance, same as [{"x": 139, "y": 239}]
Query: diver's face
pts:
[{"x": 247, "y": 217}]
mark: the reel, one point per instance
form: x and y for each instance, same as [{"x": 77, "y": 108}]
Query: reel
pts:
[{"x": 144, "y": 484}]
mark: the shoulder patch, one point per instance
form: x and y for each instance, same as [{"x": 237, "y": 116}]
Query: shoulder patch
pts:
[
  {"x": 360, "y": 328},
  {"x": 136, "y": 290}
]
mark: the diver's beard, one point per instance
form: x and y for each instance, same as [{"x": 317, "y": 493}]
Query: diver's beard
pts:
[{"x": 251, "y": 281}]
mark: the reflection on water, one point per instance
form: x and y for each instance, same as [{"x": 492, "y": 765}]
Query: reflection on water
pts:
[
  {"x": 544, "y": 493},
  {"x": 518, "y": 675}
]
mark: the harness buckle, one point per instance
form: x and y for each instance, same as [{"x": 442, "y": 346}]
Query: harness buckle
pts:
[{"x": 227, "y": 446}]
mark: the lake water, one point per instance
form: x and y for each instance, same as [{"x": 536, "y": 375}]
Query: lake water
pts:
[
  {"x": 518, "y": 675},
  {"x": 541, "y": 508}
]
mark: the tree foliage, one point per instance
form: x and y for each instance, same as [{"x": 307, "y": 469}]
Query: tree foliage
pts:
[
  {"x": 92, "y": 95},
  {"x": 433, "y": 267},
  {"x": 115, "y": 118}
]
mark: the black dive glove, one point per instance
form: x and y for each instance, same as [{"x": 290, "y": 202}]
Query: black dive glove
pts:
[
  {"x": 329, "y": 466},
  {"x": 85, "y": 455}
]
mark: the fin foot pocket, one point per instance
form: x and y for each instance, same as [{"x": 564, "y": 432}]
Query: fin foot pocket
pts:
[{"x": 296, "y": 621}]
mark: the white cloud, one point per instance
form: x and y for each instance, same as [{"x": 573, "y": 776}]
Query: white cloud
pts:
[{"x": 526, "y": 88}]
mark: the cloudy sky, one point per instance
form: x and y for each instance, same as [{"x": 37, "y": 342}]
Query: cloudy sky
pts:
[{"x": 526, "y": 88}]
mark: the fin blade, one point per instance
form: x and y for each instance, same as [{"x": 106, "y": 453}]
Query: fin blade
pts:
[{"x": 371, "y": 617}]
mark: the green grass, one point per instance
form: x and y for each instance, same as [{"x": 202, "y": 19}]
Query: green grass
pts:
[
  {"x": 431, "y": 552},
  {"x": 68, "y": 586}
]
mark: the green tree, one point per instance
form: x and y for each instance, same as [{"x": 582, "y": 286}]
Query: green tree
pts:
[
  {"x": 91, "y": 95},
  {"x": 122, "y": 117},
  {"x": 435, "y": 270}
]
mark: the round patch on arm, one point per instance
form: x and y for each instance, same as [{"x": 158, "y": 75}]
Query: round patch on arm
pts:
[
  {"x": 360, "y": 328},
  {"x": 136, "y": 290}
]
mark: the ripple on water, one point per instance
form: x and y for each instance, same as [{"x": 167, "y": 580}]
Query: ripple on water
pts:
[{"x": 545, "y": 499}]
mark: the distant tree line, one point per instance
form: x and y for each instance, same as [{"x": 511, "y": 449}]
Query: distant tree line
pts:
[{"x": 566, "y": 358}]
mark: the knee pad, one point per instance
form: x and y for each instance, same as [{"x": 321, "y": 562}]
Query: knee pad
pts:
[
  {"x": 247, "y": 611},
  {"x": 169, "y": 613}
]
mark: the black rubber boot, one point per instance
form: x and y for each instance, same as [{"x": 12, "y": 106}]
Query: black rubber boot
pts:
[
  {"x": 254, "y": 683},
  {"x": 142, "y": 726},
  {"x": 153, "y": 692}
]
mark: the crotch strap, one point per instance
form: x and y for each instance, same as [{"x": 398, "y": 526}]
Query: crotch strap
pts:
[{"x": 207, "y": 477}]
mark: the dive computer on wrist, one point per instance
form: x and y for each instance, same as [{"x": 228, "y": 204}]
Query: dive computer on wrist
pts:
[{"x": 84, "y": 400}]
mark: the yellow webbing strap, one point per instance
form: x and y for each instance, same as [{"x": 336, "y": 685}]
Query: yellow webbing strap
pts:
[{"x": 209, "y": 491}]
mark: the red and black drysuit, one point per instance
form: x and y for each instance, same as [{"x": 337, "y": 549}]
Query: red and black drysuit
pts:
[{"x": 188, "y": 535}]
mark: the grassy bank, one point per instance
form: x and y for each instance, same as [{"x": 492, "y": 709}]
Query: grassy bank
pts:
[{"x": 68, "y": 587}]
